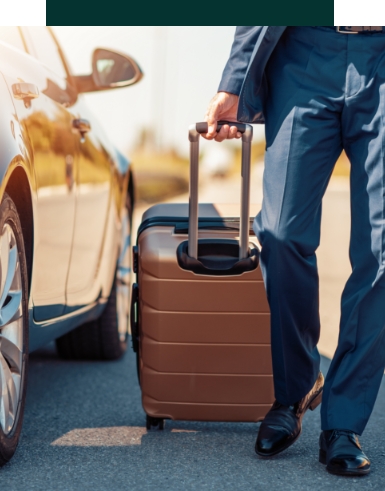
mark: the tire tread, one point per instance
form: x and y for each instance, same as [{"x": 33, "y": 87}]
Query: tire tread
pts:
[{"x": 94, "y": 340}]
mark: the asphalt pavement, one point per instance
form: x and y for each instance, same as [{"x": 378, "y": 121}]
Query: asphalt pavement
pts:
[{"x": 84, "y": 429}]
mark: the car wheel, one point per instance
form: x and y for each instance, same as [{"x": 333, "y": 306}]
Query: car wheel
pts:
[
  {"x": 106, "y": 337},
  {"x": 13, "y": 329}
]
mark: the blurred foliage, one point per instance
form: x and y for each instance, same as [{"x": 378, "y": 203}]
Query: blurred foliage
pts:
[
  {"x": 342, "y": 167},
  {"x": 257, "y": 154},
  {"x": 162, "y": 175},
  {"x": 159, "y": 176}
]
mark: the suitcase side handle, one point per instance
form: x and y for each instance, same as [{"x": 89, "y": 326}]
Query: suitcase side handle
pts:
[
  {"x": 247, "y": 136},
  {"x": 134, "y": 318}
]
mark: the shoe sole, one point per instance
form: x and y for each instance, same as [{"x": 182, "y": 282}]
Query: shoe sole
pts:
[
  {"x": 322, "y": 460},
  {"x": 316, "y": 401}
]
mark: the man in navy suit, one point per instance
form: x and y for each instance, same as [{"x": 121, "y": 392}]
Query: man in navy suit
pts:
[{"x": 319, "y": 90}]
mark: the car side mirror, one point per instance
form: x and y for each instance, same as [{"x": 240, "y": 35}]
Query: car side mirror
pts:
[{"x": 111, "y": 69}]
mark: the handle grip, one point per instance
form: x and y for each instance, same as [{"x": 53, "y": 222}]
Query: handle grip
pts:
[{"x": 204, "y": 127}]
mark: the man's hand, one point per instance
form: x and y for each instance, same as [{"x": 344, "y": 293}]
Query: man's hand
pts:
[{"x": 223, "y": 106}]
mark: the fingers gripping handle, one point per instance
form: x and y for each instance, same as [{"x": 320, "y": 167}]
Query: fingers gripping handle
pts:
[
  {"x": 204, "y": 127},
  {"x": 198, "y": 128},
  {"x": 247, "y": 136}
]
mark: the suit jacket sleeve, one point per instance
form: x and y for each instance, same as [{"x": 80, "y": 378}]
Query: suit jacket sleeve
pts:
[{"x": 241, "y": 51}]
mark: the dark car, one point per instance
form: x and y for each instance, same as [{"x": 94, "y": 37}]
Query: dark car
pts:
[{"x": 66, "y": 199}]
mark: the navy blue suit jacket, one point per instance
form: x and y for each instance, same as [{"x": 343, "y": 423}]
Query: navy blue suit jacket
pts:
[{"x": 244, "y": 72}]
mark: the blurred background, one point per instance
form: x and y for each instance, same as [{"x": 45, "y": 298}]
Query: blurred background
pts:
[{"x": 148, "y": 122}]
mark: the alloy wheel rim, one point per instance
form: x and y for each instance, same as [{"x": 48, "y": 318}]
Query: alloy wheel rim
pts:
[
  {"x": 11, "y": 329},
  {"x": 123, "y": 279}
]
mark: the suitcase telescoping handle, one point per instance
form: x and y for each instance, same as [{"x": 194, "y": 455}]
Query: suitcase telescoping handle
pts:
[{"x": 247, "y": 136}]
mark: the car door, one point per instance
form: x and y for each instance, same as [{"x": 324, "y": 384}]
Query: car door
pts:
[
  {"x": 48, "y": 120},
  {"x": 95, "y": 227},
  {"x": 94, "y": 223}
]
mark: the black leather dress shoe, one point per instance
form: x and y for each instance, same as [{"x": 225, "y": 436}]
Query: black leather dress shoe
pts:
[
  {"x": 283, "y": 424},
  {"x": 341, "y": 452}
]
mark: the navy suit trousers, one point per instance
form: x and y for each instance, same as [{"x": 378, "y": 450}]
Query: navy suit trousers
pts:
[{"x": 326, "y": 92}]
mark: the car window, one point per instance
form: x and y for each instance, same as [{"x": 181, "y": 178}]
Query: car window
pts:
[
  {"x": 46, "y": 50},
  {"x": 11, "y": 35}
]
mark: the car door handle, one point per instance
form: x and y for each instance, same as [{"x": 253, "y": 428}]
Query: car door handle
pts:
[
  {"x": 82, "y": 125},
  {"x": 25, "y": 92}
]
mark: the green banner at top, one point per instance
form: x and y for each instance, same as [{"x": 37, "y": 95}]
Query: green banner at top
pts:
[{"x": 276, "y": 12}]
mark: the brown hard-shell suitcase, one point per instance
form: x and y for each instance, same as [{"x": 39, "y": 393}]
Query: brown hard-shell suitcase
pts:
[{"x": 200, "y": 319}]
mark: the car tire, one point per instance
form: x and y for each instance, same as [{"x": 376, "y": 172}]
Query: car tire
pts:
[
  {"x": 105, "y": 338},
  {"x": 14, "y": 329},
  {"x": 95, "y": 340}
]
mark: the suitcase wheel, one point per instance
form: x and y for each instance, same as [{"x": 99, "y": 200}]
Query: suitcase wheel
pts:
[{"x": 154, "y": 422}]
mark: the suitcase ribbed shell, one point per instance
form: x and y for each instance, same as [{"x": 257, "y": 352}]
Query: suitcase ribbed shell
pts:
[{"x": 204, "y": 340}]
